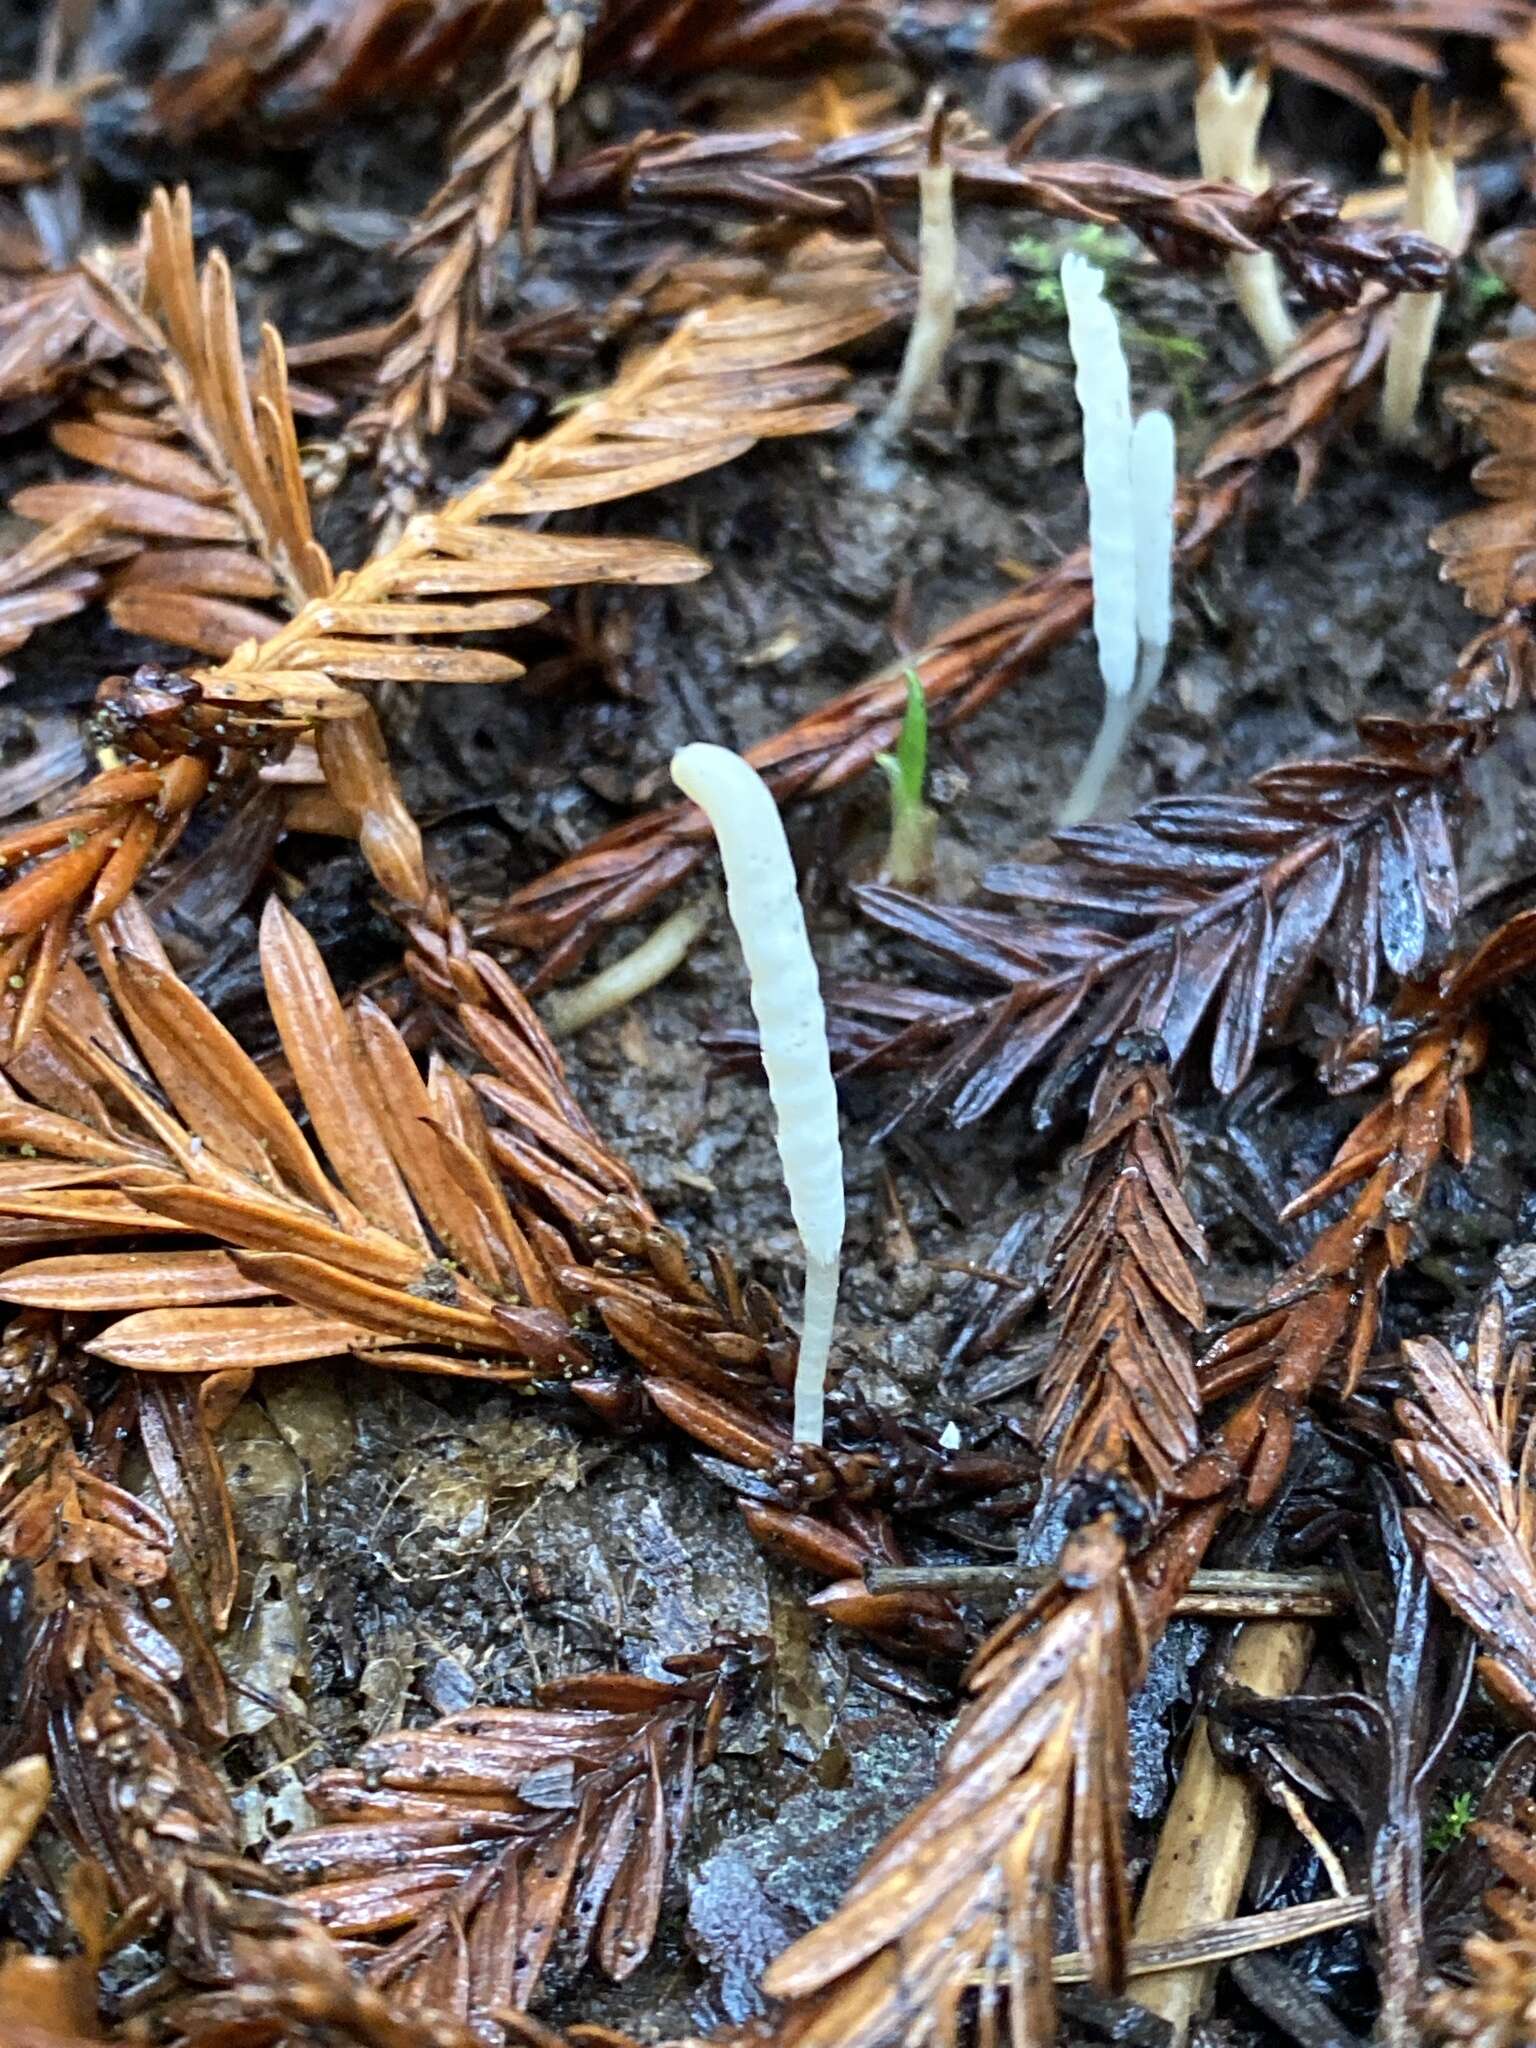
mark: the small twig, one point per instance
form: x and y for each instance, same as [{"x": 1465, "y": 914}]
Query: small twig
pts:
[
  {"x": 1215, "y": 1596},
  {"x": 938, "y": 298},
  {"x": 1211, "y": 1826},
  {"x": 1225, "y": 1940},
  {"x": 1314, "y": 1838}
]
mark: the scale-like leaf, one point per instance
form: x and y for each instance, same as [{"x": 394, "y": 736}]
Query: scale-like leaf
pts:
[
  {"x": 1121, "y": 1374},
  {"x": 1335, "y": 46},
  {"x": 1470, "y": 1455},
  {"x": 1491, "y": 552},
  {"x": 1197, "y": 912},
  {"x": 456, "y": 1857}
]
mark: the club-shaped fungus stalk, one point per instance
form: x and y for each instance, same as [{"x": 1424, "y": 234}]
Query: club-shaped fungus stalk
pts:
[
  {"x": 1432, "y": 209},
  {"x": 764, "y": 904},
  {"x": 1104, "y": 395},
  {"x": 909, "y": 855},
  {"x": 1154, "y": 487},
  {"x": 1228, "y": 117},
  {"x": 938, "y": 290},
  {"x": 1131, "y": 473}
]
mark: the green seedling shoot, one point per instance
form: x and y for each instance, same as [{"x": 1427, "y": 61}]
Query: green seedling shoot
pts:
[
  {"x": 1452, "y": 1822},
  {"x": 909, "y": 856}
]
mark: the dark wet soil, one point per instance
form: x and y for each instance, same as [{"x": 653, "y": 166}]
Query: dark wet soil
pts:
[{"x": 414, "y": 1546}]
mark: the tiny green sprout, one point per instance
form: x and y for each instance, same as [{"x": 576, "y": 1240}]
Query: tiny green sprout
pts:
[
  {"x": 1038, "y": 300},
  {"x": 77, "y": 839},
  {"x": 1181, "y": 356},
  {"x": 1108, "y": 247},
  {"x": 909, "y": 857},
  {"x": 1482, "y": 288},
  {"x": 1033, "y": 252},
  {"x": 1452, "y": 1822},
  {"x": 1104, "y": 245}
]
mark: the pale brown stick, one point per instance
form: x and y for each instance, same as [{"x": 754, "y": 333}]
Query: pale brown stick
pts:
[
  {"x": 1225, "y": 1940},
  {"x": 1206, "y": 1845},
  {"x": 1216, "y": 1596}
]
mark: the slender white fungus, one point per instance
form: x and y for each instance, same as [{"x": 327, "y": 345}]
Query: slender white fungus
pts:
[
  {"x": 1104, "y": 393},
  {"x": 1433, "y": 208},
  {"x": 764, "y": 903},
  {"x": 938, "y": 297},
  {"x": 1228, "y": 117},
  {"x": 1154, "y": 487},
  {"x": 1132, "y": 477}
]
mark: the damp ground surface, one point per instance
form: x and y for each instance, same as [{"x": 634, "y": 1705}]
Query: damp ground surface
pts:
[{"x": 412, "y": 1546}]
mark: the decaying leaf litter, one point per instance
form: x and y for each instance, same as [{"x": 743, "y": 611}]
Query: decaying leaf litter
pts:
[{"x": 419, "y": 1554}]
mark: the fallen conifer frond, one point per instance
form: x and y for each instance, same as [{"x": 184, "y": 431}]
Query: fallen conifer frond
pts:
[
  {"x": 731, "y": 372},
  {"x": 1334, "y": 45},
  {"x": 121, "y": 1688},
  {"x": 500, "y": 155},
  {"x": 850, "y": 185},
  {"x": 316, "y": 1261},
  {"x": 1121, "y": 1374},
  {"x": 1466, "y": 1447},
  {"x": 301, "y": 61},
  {"x": 204, "y": 477},
  {"x": 1027, "y": 1785},
  {"x": 1294, "y": 410},
  {"x": 454, "y": 1859}
]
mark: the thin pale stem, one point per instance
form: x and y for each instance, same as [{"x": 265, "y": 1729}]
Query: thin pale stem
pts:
[
  {"x": 1213, "y": 1595},
  {"x": 1088, "y": 790},
  {"x": 817, "y": 1320},
  {"x": 938, "y": 298},
  {"x": 1207, "y": 1839},
  {"x": 1119, "y": 722}
]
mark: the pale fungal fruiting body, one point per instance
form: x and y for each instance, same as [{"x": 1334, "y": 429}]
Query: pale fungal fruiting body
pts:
[
  {"x": 764, "y": 904},
  {"x": 1433, "y": 209},
  {"x": 1154, "y": 488},
  {"x": 938, "y": 297},
  {"x": 567, "y": 1011},
  {"x": 1104, "y": 394},
  {"x": 1228, "y": 117},
  {"x": 1132, "y": 477}
]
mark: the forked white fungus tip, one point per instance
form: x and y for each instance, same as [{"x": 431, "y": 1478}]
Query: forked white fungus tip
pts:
[
  {"x": 764, "y": 904},
  {"x": 1104, "y": 394},
  {"x": 1154, "y": 483}
]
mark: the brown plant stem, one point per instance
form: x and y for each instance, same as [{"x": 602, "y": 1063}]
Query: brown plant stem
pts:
[
  {"x": 1223, "y": 1941},
  {"x": 1207, "y": 1838},
  {"x": 1211, "y": 1596},
  {"x": 848, "y": 185}
]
